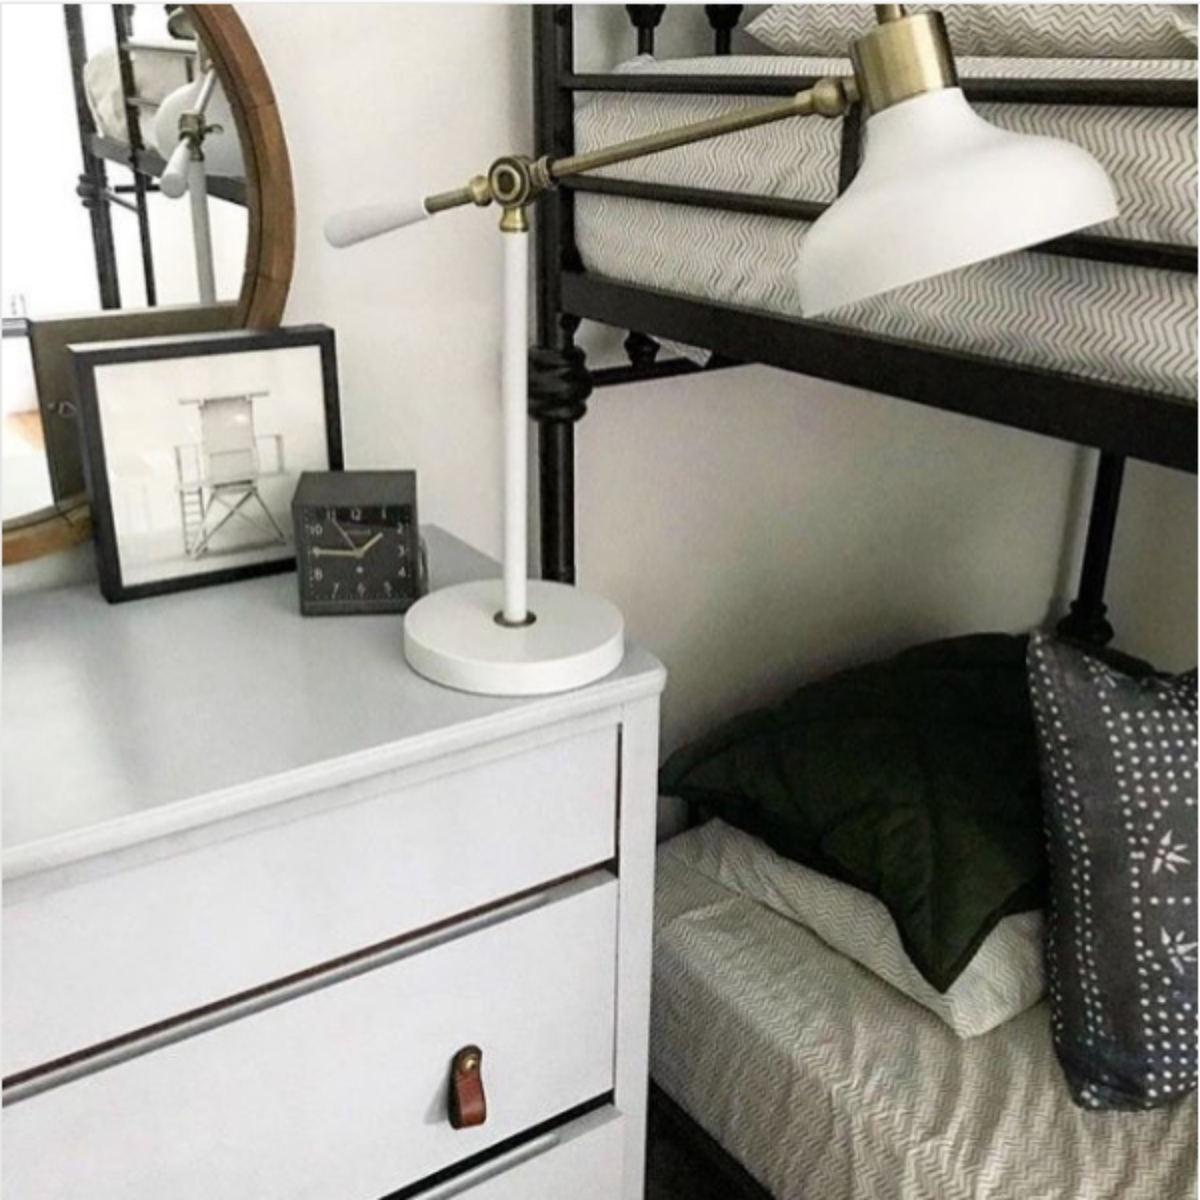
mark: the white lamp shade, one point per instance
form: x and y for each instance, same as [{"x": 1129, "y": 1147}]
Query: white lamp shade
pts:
[{"x": 941, "y": 188}]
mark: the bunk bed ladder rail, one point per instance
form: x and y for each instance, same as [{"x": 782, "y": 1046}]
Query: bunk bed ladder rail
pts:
[{"x": 1087, "y": 621}]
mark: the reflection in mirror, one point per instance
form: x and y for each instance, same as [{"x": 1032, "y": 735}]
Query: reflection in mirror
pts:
[{"x": 98, "y": 103}]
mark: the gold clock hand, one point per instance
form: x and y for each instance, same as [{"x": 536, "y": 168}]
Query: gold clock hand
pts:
[
  {"x": 345, "y": 536},
  {"x": 323, "y": 552},
  {"x": 367, "y": 546}
]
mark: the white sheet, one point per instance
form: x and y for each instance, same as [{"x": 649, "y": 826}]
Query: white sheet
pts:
[{"x": 828, "y": 1084}]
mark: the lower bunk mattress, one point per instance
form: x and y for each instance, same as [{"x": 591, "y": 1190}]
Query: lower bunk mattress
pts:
[
  {"x": 1129, "y": 326},
  {"x": 828, "y": 1084}
]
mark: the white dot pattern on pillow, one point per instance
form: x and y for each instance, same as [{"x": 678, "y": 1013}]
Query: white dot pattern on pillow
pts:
[{"x": 1119, "y": 777}]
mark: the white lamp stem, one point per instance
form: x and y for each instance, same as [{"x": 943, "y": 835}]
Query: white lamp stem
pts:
[
  {"x": 201, "y": 229},
  {"x": 516, "y": 447}
]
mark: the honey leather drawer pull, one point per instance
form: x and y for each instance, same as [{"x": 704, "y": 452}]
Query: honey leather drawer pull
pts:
[{"x": 468, "y": 1104}]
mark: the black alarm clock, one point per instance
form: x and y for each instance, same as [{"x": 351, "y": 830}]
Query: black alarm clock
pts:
[{"x": 358, "y": 547}]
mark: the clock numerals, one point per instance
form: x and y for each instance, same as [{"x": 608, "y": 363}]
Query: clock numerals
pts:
[{"x": 357, "y": 558}]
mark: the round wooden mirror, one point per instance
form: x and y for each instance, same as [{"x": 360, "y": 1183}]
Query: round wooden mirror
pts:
[{"x": 270, "y": 242}]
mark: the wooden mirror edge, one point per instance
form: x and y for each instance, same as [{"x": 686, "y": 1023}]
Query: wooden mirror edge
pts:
[
  {"x": 270, "y": 243},
  {"x": 48, "y": 531},
  {"x": 271, "y": 237}
]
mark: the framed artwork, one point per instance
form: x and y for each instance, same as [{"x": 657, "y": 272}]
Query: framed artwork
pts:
[{"x": 192, "y": 447}]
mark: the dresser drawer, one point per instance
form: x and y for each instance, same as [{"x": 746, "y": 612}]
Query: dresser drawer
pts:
[
  {"x": 341, "y": 1093},
  {"x": 92, "y": 959},
  {"x": 581, "y": 1161}
]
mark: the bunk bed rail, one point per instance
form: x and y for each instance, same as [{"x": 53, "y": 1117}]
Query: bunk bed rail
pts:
[{"x": 1118, "y": 421}]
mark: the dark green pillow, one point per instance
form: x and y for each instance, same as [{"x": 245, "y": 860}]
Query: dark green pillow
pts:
[{"x": 914, "y": 779}]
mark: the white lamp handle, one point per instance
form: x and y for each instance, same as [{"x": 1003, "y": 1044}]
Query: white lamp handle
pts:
[
  {"x": 359, "y": 224},
  {"x": 174, "y": 181}
]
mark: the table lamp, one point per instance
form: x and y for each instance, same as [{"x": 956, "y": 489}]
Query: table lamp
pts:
[{"x": 939, "y": 188}]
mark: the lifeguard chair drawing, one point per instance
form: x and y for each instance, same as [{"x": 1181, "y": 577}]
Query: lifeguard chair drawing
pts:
[{"x": 219, "y": 476}]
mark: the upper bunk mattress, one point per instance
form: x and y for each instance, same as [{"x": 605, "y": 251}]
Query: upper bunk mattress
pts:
[
  {"x": 1130, "y": 326},
  {"x": 828, "y": 1084}
]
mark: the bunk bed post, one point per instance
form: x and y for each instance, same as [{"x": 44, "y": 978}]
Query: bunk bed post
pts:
[
  {"x": 92, "y": 188},
  {"x": 645, "y": 19},
  {"x": 1087, "y": 622},
  {"x": 122, "y": 24},
  {"x": 723, "y": 20},
  {"x": 559, "y": 382}
]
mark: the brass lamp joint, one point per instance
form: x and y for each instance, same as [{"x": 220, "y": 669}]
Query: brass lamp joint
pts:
[
  {"x": 903, "y": 57},
  {"x": 514, "y": 219},
  {"x": 513, "y": 184},
  {"x": 511, "y": 181},
  {"x": 477, "y": 192},
  {"x": 194, "y": 129}
]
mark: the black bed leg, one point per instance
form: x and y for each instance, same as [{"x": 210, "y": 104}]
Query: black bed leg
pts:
[{"x": 1087, "y": 621}]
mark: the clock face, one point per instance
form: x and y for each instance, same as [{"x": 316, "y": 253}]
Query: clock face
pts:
[{"x": 358, "y": 558}]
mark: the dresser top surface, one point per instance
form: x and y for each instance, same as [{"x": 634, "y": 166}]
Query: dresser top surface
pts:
[{"x": 125, "y": 722}]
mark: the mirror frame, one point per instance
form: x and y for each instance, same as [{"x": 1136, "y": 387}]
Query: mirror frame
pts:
[{"x": 270, "y": 242}]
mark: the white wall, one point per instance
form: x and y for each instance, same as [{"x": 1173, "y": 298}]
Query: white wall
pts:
[
  {"x": 404, "y": 99},
  {"x": 756, "y": 527}
]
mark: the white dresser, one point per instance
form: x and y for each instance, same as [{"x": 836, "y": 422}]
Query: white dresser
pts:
[{"x": 262, "y": 884}]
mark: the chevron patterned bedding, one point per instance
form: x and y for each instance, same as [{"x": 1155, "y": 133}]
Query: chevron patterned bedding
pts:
[
  {"x": 1124, "y": 325},
  {"x": 828, "y": 1084}
]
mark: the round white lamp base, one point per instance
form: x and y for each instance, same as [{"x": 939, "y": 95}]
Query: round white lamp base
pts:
[{"x": 452, "y": 636}]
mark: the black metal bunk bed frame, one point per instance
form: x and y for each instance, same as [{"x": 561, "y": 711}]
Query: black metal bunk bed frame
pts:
[
  {"x": 1120, "y": 422},
  {"x": 95, "y": 191}
]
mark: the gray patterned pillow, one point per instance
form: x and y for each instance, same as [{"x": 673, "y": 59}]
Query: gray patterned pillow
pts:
[
  {"x": 1123, "y": 31},
  {"x": 1119, "y": 779}
]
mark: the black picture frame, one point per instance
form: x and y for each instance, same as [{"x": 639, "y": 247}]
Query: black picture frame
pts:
[{"x": 228, "y": 476}]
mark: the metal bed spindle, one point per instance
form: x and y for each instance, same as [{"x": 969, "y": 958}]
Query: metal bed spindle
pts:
[
  {"x": 723, "y": 20},
  {"x": 123, "y": 29},
  {"x": 92, "y": 189}
]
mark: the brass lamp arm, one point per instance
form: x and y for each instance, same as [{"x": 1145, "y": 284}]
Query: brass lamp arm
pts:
[
  {"x": 827, "y": 98},
  {"x": 514, "y": 181}
]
